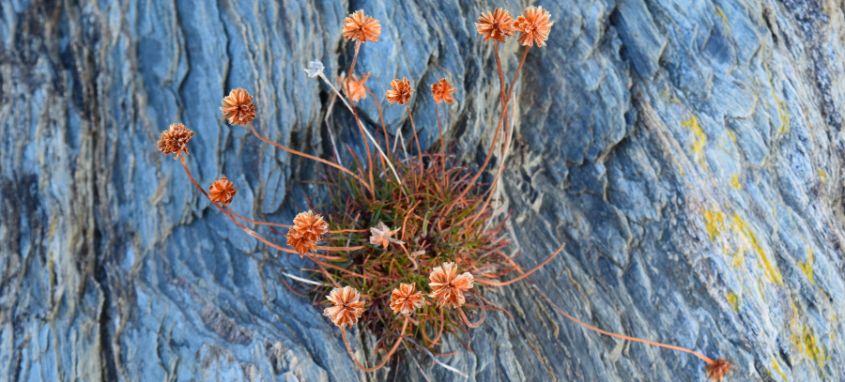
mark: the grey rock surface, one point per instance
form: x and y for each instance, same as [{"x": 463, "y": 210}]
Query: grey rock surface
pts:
[{"x": 690, "y": 154}]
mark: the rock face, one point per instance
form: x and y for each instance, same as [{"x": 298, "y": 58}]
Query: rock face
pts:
[{"x": 690, "y": 154}]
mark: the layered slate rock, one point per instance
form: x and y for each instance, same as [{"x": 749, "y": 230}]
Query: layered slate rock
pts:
[{"x": 690, "y": 155}]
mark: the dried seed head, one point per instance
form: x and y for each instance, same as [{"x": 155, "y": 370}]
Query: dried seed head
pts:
[
  {"x": 308, "y": 228},
  {"x": 175, "y": 139},
  {"x": 360, "y": 27},
  {"x": 442, "y": 91},
  {"x": 347, "y": 306},
  {"x": 382, "y": 235},
  {"x": 534, "y": 26},
  {"x": 496, "y": 25},
  {"x": 238, "y": 108},
  {"x": 222, "y": 191},
  {"x": 718, "y": 369},
  {"x": 399, "y": 92},
  {"x": 355, "y": 88},
  {"x": 314, "y": 69},
  {"x": 405, "y": 299},
  {"x": 447, "y": 286}
]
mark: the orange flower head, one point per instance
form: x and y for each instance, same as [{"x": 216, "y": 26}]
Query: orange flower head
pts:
[
  {"x": 442, "y": 91},
  {"x": 496, "y": 25},
  {"x": 382, "y": 235},
  {"x": 238, "y": 108},
  {"x": 347, "y": 306},
  {"x": 222, "y": 191},
  {"x": 719, "y": 369},
  {"x": 405, "y": 299},
  {"x": 308, "y": 228},
  {"x": 399, "y": 92},
  {"x": 534, "y": 26},
  {"x": 447, "y": 286},
  {"x": 355, "y": 88},
  {"x": 360, "y": 27},
  {"x": 175, "y": 139}
]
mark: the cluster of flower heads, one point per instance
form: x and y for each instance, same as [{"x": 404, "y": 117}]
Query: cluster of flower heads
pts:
[
  {"x": 308, "y": 229},
  {"x": 533, "y": 25},
  {"x": 447, "y": 290},
  {"x": 360, "y": 28}
]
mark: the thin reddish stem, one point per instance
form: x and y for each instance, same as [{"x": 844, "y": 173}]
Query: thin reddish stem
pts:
[
  {"x": 366, "y": 148},
  {"x": 381, "y": 119},
  {"x": 585, "y": 325},
  {"x": 308, "y": 156},
  {"x": 469, "y": 323},
  {"x": 442, "y": 145},
  {"x": 354, "y": 58},
  {"x": 310, "y": 256},
  {"x": 386, "y": 356},
  {"x": 496, "y": 283},
  {"x": 341, "y": 249}
]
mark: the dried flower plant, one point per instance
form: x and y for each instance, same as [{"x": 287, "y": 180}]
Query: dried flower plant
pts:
[
  {"x": 360, "y": 27},
  {"x": 175, "y": 139},
  {"x": 355, "y": 88},
  {"x": 406, "y": 299},
  {"x": 534, "y": 26},
  {"x": 496, "y": 25},
  {"x": 308, "y": 228},
  {"x": 347, "y": 306},
  {"x": 718, "y": 369},
  {"x": 382, "y": 236},
  {"x": 442, "y": 213},
  {"x": 447, "y": 286},
  {"x": 222, "y": 191},
  {"x": 442, "y": 91},
  {"x": 399, "y": 92},
  {"x": 238, "y": 108}
]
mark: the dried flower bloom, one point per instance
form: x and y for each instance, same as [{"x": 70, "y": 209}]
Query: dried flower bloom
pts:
[
  {"x": 222, "y": 191},
  {"x": 496, "y": 25},
  {"x": 719, "y": 369},
  {"x": 534, "y": 25},
  {"x": 238, "y": 108},
  {"x": 175, "y": 139},
  {"x": 308, "y": 228},
  {"x": 360, "y": 27},
  {"x": 405, "y": 299},
  {"x": 347, "y": 306},
  {"x": 447, "y": 286},
  {"x": 382, "y": 235},
  {"x": 355, "y": 88},
  {"x": 442, "y": 91},
  {"x": 314, "y": 69},
  {"x": 399, "y": 92}
]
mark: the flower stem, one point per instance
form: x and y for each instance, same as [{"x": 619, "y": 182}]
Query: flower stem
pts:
[
  {"x": 587, "y": 326},
  {"x": 386, "y": 356},
  {"x": 307, "y": 156}
]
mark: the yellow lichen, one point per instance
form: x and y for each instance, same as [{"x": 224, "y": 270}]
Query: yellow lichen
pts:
[
  {"x": 735, "y": 182},
  {"x": 807, "y": 266},
  {"x": 723, "y": 16},
  {"x": 822, "y": 175},
  {"x": 743, "y": 230},
  {"x": 805, "y": 341},
  {"x": 714, "y": 222},
  {"x": 700, "y": 138},
  {"x": 733, "y": 300},
  {"x": 783, "y": 115},
  {"x": 777, "y": 369}
]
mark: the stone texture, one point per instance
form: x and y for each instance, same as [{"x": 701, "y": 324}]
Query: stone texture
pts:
[{"x": 688, "y": 152}]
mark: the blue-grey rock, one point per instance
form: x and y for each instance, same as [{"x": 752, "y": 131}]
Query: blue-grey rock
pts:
[{"x": 689, "y": 153}]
